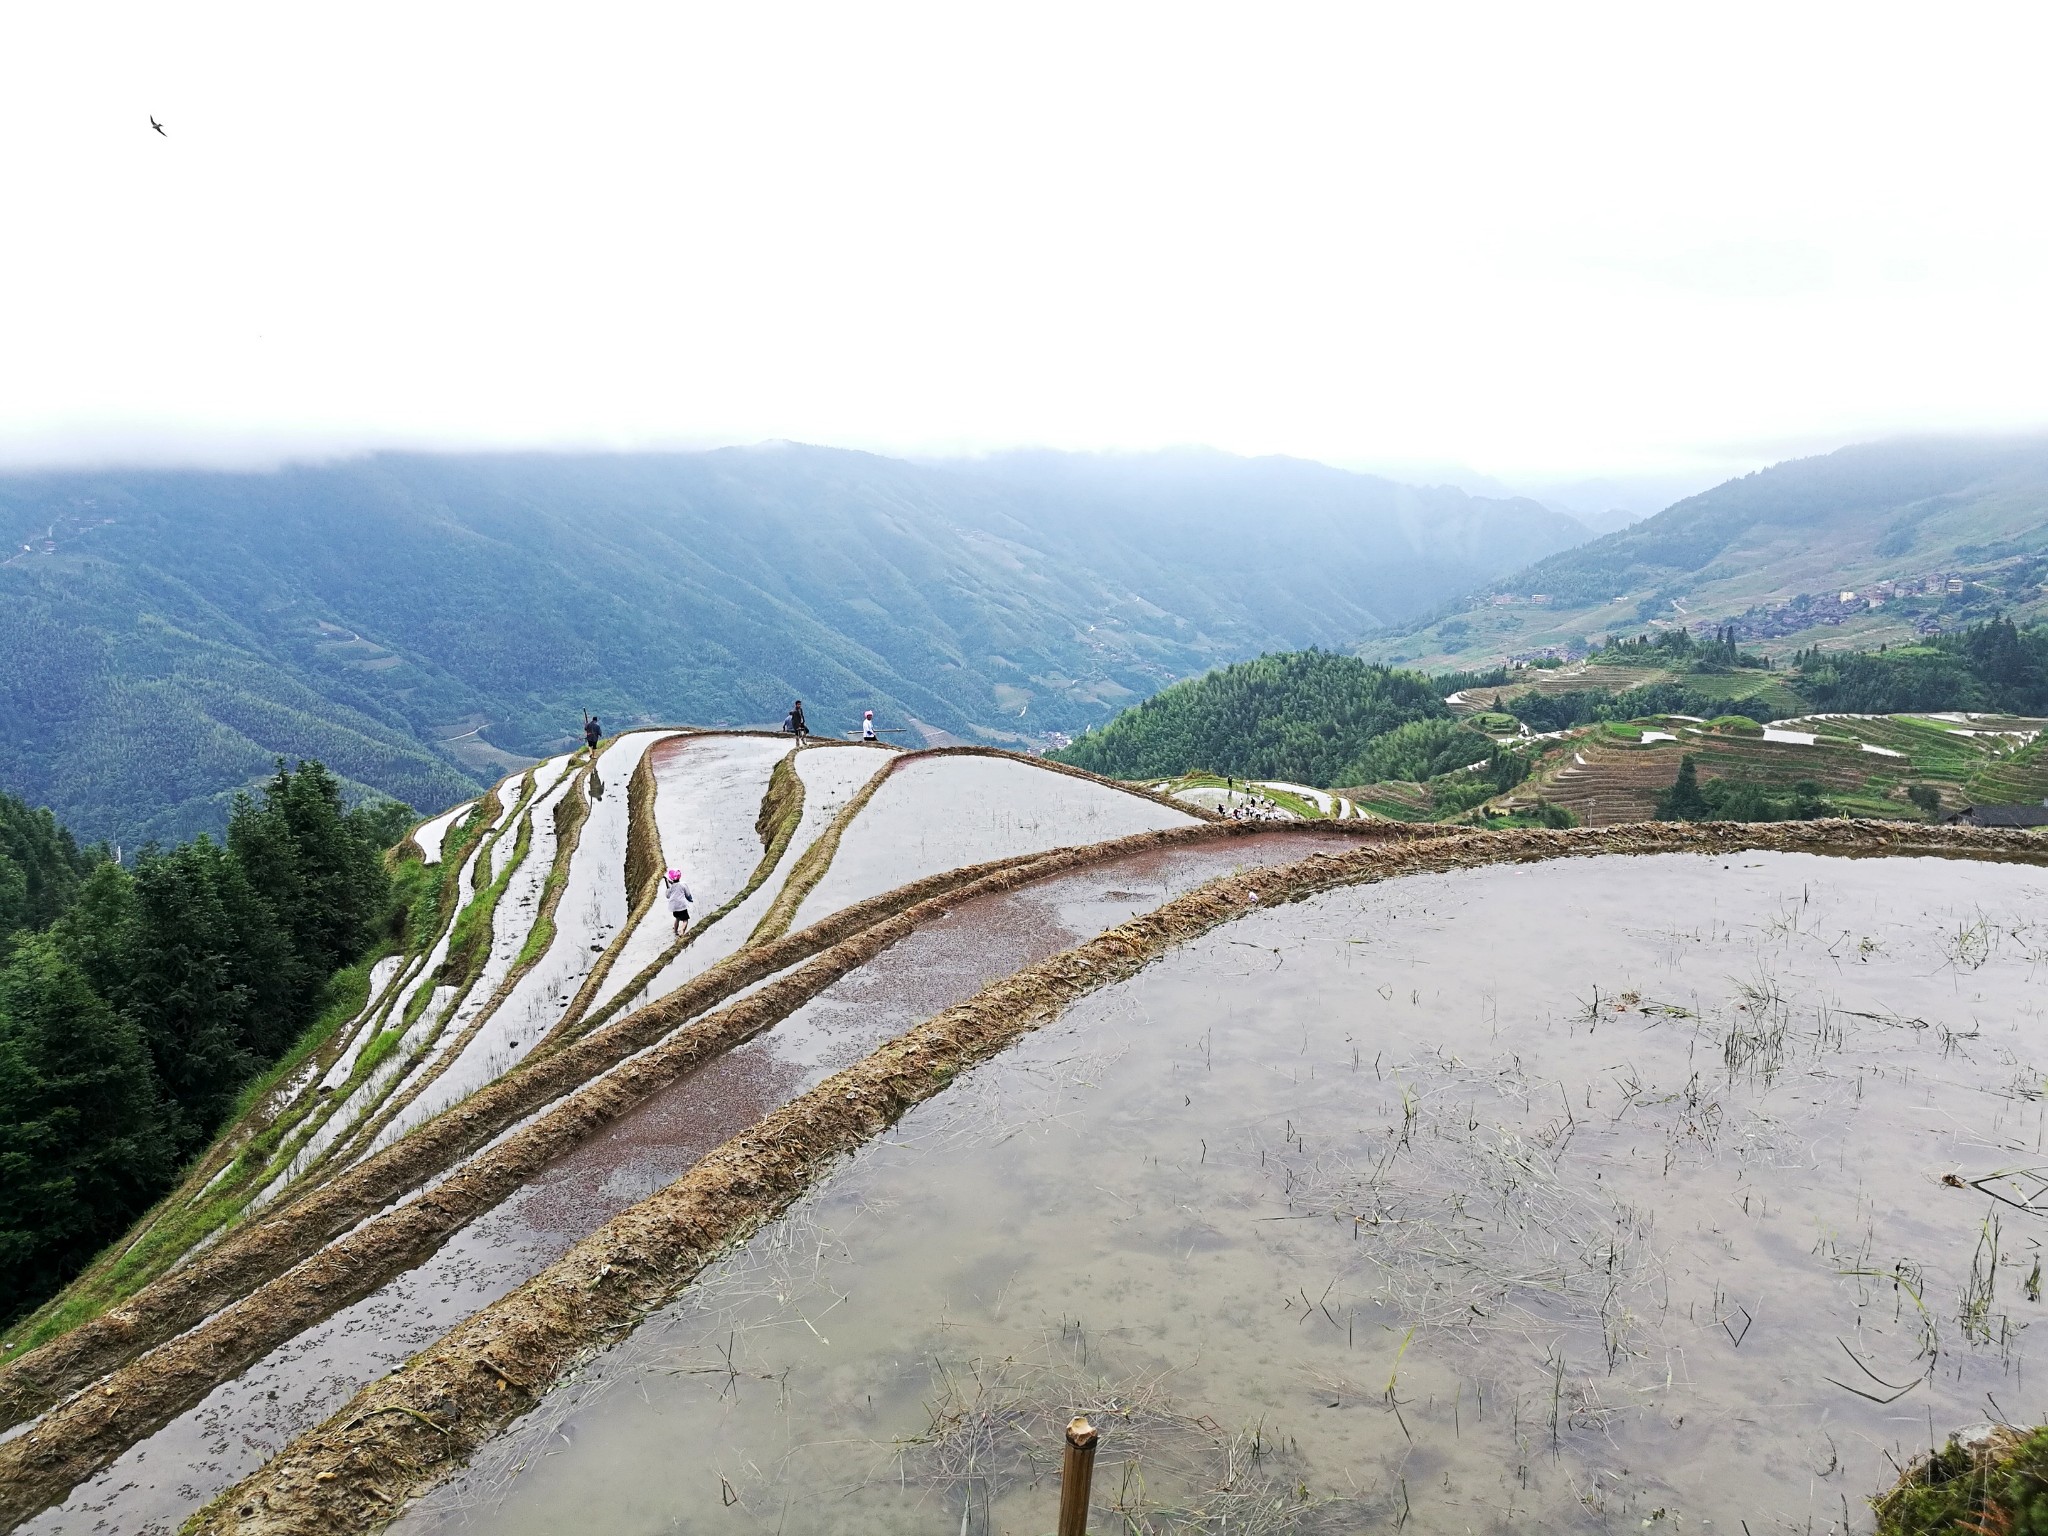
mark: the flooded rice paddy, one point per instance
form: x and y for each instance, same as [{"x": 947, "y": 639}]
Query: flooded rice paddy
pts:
[
  {"x": 150, "y": 1490},
  {"x": 1643, "y": 1193},
  {"x": 941, "y": 813}
]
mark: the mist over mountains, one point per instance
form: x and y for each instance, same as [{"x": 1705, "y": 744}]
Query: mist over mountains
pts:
[
  {"x": 1872, "y": 544},
  {"x": 417, "y": 621}
]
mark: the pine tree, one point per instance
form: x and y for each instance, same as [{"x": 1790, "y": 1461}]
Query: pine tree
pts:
[
  {"x": 211, "y": 977},
  {"x": 315, "y": 863},
  {"x": 1683, "y": 800},
  {"x": 83, "y": 1148}
]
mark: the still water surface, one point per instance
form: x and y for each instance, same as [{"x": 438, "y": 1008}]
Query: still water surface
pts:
[{"x": 1602, "y": 1194}]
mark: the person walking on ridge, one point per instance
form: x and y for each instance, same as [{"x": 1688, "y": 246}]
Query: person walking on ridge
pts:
[
  {"x": 795, "y": 723},
  {"x": 679, "y": 899},
  {"x": 593, "y": 733},
  {"x": 867, "y": 726}
]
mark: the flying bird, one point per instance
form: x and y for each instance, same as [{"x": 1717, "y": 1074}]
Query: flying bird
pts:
[{"x": 159, "y": 127}]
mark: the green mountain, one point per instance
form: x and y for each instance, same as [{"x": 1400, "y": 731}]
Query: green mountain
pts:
[
  {"x": 1870, "y": 545},
  {"x": 1309, "y": 717},
  {"x": 418, "y": 623}
]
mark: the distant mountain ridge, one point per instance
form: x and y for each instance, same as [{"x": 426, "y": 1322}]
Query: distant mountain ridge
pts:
[
  {"x": 417, "y": 621},
  {"x": 1776, "y": 551}
]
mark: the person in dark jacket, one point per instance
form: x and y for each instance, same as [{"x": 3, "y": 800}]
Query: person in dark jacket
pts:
[
  {"x": 795, "y": 723},
  {"x": 593, "y": 733}
]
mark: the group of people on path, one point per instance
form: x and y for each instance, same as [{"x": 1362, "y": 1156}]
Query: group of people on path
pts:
[{"x": 793, "y": 723}]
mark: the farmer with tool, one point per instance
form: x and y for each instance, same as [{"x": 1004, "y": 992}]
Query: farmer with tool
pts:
[
  {"x": 593, "y": 733},
  {"x": 867, "y": 726}
]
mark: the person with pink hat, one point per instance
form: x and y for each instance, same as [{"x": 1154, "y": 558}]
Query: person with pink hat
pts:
[
  {"x": 679, "y": 899},
  {"x": 867, "y": 726}
]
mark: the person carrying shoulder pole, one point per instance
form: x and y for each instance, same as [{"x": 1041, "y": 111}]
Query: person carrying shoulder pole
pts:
[
  {"x": 867, "y": 726},
  {"x": 679, "y": 899}
]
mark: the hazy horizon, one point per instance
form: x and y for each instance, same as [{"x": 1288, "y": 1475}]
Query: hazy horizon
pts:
[{"x": 1490, "y": 247}]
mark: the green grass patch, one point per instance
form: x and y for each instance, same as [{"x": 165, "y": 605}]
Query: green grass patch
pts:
[
  {"x": 571, "y": 811},
  {"x": 469, "y": 945},
  {"x": 374, "y": 1055},
  {"x": 1997, "y": 1486}
]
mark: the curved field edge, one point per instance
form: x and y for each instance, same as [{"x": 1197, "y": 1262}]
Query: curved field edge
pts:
[
  {"x": 642, "y": 877},
  {"x": 227, "y": 1175},
  {"x": 37, "y": 1378},
  {"x": 406, "y": 1432},
  {"x": 782, "y": 808},
  {"x": 274, "y": 1278},
  {"x": 570, "y": 814},
  {"x": 469, "y": 937},
  {"x": 817, "y": 859}
]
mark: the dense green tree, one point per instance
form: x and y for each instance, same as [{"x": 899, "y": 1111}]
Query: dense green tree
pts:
[
  {"x": 128, "y": 1028},
  {"x": 1299, "y": 715},
  {"x": 1417, "y": 751},
  {"x": 211, "y": 978},
  {"x": 1683, "y": 800},
  {"x": 313, "y": 862},
  {"x": 1738, "y": 799},
  {"x": 40, "y": 866},
  {"x": 1990, "y": 666},
  {"x": 83, "y": 1148},
  {"x": 383, "y": 823}
]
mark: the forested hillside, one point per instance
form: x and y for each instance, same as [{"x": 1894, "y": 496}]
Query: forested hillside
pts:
[
  {"x": 413, "y": 621},
  {"x": 1872, "y": 544},
  {"x": 1330, "y": 720},
  {"x": 1306, "y": 716},
  {"x": 136, "y": 1005}
]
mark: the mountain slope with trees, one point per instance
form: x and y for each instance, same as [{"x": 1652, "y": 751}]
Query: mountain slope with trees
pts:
[
  {"x": 418, "y": 623},
  {"x": 1304, "y": 716},
  {"x": 137, "y": 1005},
  {"x": 1868, "y": 545}
]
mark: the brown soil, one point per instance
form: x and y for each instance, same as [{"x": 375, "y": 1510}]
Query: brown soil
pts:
[
  {"x": 264, "y": 1300},
  {"x": 404, "y": 1433}
]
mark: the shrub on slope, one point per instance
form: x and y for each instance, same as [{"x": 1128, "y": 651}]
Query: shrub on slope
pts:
[{"x": 1305, "y": 716}]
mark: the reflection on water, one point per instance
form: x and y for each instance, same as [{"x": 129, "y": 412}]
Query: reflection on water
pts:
[{"x": 1583, "y": 1196}]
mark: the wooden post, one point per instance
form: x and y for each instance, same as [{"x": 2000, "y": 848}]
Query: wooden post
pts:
[{"x": 1076, "y": 1474}]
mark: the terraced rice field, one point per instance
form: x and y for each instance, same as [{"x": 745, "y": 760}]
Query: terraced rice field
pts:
[
  {"x": 554, "y": 1113},
  {"x": 1331, "y": 1225},
  {"x": 1276, "y": 799},
  {"x": 1610, "y": 774}
]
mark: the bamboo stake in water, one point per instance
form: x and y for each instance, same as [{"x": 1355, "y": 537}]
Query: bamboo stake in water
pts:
[{"x": 1075, "y": 1475}]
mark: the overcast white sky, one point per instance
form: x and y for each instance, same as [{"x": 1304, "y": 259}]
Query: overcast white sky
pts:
[{"x": 1540, "y": 240}]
